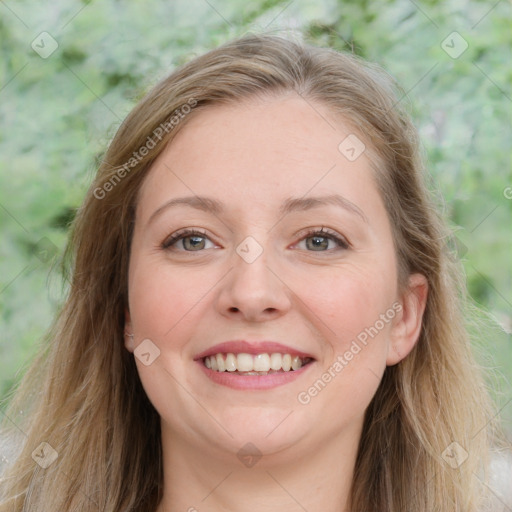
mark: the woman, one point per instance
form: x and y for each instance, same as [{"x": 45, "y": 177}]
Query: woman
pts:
[{"x": 263, "y": 314}]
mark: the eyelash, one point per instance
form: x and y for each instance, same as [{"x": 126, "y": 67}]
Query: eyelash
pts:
[
  {"x": 180, "y": 235},
  {"x": 323, "y": 232}
]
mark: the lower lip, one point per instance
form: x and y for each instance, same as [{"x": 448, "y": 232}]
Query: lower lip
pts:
[{"x": 257, "y": 382}]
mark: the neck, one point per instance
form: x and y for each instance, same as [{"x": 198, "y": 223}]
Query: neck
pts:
[{"x": 315, "y": 480}]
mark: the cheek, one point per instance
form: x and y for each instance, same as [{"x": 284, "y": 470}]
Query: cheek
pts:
[
  {"x": 348, "y": 300},
  {"x": 164, "y": 299},
  {"x": 356, "y": 311}
]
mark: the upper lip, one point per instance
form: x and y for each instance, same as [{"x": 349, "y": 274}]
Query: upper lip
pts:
[{"x": 251, "y": 347}]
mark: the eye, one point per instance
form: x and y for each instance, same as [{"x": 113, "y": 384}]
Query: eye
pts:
[
  {"x": 191, "y": 241},
  {"x": 318, "y": 240}
]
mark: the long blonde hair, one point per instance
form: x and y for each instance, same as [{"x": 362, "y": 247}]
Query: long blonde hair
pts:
[{"x": 82, "y": 395}]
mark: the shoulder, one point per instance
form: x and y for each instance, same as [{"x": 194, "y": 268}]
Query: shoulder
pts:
[{"x": 500, "y": 479}]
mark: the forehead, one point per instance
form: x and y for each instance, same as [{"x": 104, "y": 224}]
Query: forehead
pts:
[{"x": 257, "y": 152}]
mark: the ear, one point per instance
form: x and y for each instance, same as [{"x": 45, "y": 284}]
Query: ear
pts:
[
  {"x": 128, "y": 332},
  {"x": 406, "y": 328}
]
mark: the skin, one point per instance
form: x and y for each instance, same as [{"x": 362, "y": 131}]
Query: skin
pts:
[{"x": 252, "y": 156}]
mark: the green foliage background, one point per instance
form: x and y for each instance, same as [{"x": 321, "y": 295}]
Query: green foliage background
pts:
[{"x": 57, "y": 115}]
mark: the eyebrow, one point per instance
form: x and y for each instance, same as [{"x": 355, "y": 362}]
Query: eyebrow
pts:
[{"x": 209, "y": 205}]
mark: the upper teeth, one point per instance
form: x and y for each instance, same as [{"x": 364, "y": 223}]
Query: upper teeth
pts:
[{"x": 248, "y": 362}]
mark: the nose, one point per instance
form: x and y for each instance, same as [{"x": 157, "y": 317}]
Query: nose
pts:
[{"x": 254, "y": 290}]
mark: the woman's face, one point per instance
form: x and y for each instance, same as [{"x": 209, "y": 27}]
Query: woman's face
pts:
[{"x": 256, "y": 285}]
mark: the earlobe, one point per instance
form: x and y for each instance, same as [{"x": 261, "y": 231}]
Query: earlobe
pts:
[
  {"x": 407, "y": 325},
  {"x": 128, "y": 332}
]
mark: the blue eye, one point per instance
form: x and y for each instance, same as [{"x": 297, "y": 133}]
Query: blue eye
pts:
[
  {"x": 193, "y": 240},
  {"x": 320, "y": 240}
]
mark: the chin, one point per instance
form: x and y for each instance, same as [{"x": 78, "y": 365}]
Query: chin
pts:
[{"x": 273, "y": 430}]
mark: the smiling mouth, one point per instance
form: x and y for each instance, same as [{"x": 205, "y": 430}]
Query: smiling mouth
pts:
[{"x": 258, "y": 364}]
